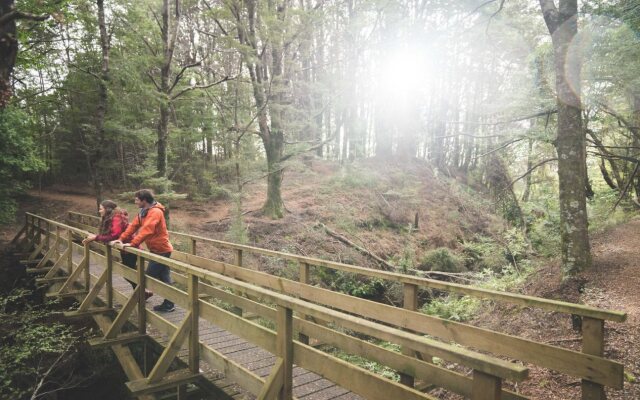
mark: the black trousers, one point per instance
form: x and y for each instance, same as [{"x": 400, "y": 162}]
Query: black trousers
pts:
[{"x": 131, "y": 261}]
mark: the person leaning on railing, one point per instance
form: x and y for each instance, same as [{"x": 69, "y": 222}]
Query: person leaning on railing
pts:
[
  {"x": 114, "y": 221},
  {"x": 150, "y": 227}
]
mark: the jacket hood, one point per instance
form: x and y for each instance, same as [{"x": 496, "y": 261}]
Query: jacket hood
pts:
[{"x": 158, "y": 205}]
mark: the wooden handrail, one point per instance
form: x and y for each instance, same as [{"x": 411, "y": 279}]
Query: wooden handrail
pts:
[
  {"x": 486, "y": 364},
  {"x": 514, "y": 298},
  {"x": 589, "y": 365}
]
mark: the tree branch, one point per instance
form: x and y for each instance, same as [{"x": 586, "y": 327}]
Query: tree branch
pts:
[
  {"x": 154, "y": 81},
  {"x": 13, "y": 15},
  {"x": 509, "y": 143},
  {"x": 98, "y": 77},
  {"x": 179, "y": 75},
  {"x": 626, "y": 188},
  {"x": 530, "y": 170},
  {"x": 312, "y": 148},
  {"x": 183, "y": 91}
]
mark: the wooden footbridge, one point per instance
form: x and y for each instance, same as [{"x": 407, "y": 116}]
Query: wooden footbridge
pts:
[{"x": 237, "y": 327}]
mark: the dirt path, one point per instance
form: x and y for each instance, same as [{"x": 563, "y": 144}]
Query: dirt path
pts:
[{"x": 614, "y": 283}]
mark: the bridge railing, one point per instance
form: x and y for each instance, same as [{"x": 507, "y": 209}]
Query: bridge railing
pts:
[
  {"x": 588, "y": 365},
  {"x": 55, "y": 242}
]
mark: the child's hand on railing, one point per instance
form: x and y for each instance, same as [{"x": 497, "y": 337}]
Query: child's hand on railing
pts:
[{"x": 88, "y": 239}]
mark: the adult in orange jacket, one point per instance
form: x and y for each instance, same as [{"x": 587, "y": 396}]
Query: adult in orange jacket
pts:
[{"x": 149, "y": 227}]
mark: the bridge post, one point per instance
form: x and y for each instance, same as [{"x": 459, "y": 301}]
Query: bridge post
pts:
[
  {"x": 304, "y": 278},
  {"x": 237, "y": 261},
  {"x": 485, "y": 386},
  {"x": 109, "y": 255},
  {"x": 142, "y": 310},
  {"x": 238, "y": 257},
  {"x": 87, "y": 272},
  {"x": 47, "y": 238},
  {"x": 410, "y": 303},
  {"x": 192, "y": 246},
  {"x": 27, "y": 223},
  {"x": 284, "y": 349},
  {"x": 194, "y": 337},
  {"x": 70, "y": 254},
  {"x": 592, "y": 343},
  {"x": 38, "y": 237},
  {"x": 57, "y": 241}
]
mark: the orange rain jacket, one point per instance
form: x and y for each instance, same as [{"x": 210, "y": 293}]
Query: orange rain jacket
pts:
[{"x": 150, "y": 229}]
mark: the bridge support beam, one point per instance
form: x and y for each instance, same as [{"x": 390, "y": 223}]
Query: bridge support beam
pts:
[
  {"x": 592, "y": 343},
  {"x": 485, "y": 386}
]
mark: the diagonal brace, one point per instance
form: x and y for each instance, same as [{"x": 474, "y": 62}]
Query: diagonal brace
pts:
[
  {"x": 171, "y": 351},
  {"x": 274, "y": 383},
  {"x": 75, "y": 275},
  {"x": 93, "y": 293},
  {"x": 58, "y": 264},
  {"x": 123, "y": 315}
]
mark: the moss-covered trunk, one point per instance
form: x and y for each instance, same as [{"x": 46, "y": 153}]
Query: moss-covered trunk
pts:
[
  {"x": 562, "y": 22},
  {"x": 274, "y": 206}
]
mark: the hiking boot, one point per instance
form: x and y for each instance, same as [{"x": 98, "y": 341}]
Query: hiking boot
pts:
[{"x": 164, "y": 307}]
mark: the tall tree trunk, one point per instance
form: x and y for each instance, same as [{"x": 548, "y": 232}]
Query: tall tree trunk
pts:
[
  {"x": 9, "y": 45},
  {"x": 169, "y": 36},
  {"x": 635, "y": 122},
  {"x": 562, "y": 22},
  {"x": 101, "y": 110},
  {"x": 8, "y": 51},
  {"x": 272, "y": 134},
  {"x": 274, "y": 146}
]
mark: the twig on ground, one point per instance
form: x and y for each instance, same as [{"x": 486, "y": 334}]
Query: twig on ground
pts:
[{"x": 355, "y": 246}]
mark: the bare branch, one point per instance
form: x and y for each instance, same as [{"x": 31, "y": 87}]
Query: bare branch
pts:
[
  {"x": 154, "y": 81},
  {"x": 626, "y": 188},
  {"x": 183, "y": 91},
  {"x": 509, "y": 143},
  {"x": 179, "y": 75},
  {"x": 261, "y": 177},
  {"x": 98, "y": 77},
  {"x": 530, "y": 170},
  {"x": 312, "y": 148}
]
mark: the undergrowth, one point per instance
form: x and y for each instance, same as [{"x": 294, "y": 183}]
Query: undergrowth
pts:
[{"x": 36, "y": 351}]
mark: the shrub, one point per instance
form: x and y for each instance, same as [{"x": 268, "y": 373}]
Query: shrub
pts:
[
  {"x": 441, "y": 259},
  {"x": 452, "y": 307}
]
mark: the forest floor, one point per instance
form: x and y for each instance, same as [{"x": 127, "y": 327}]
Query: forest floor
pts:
[
  {"x": 613, "y": 283},
  {"x": 374, "y": 206}
]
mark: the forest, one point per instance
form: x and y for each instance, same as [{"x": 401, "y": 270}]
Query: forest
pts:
[{"x": 485, "y": 142}]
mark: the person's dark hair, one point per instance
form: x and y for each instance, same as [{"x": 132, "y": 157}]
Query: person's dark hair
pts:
[
  {"x": 105, "y": 224},
  {"x": 146, "y": 195}
]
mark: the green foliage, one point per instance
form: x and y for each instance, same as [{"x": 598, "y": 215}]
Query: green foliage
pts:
[
  {"x": 601, "y": 212},
  {"x": 30, "y": 344},
  {"x": 351, "y": 284},
  {"x": 441, "y": 259},
  {"x": 405, "y": 261},
  {"x": 354, "y": 178},
  {"x": 364, "y": 363},
  {"x": 18, "y": 157},
  {"x": 452, "y": 307},
  {"x": 508, "y": 278},
  {"x": 484, "y": 253}
]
